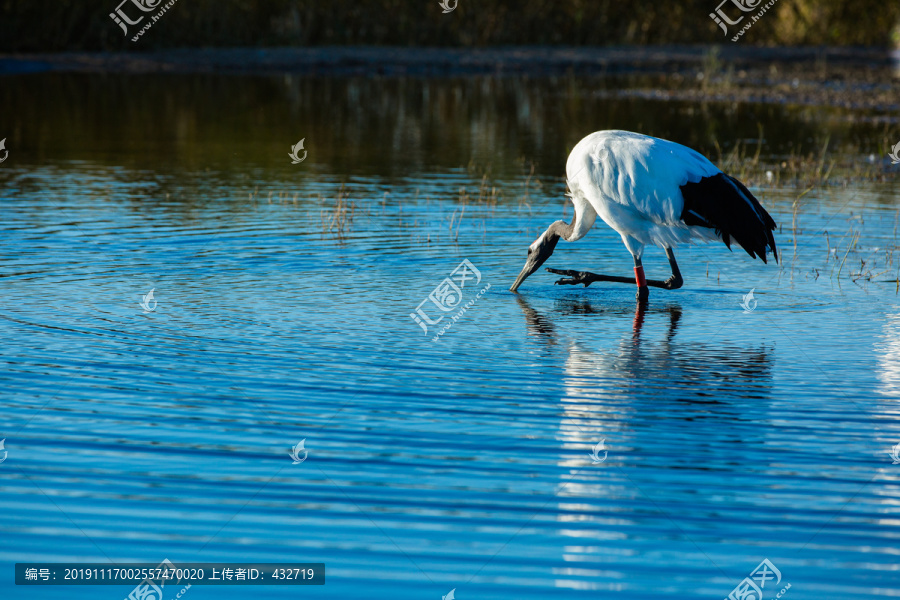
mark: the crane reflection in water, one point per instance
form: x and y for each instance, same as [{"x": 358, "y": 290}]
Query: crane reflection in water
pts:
[{"x": 673, "y": 413}]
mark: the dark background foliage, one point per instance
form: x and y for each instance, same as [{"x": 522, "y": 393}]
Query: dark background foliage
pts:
[{"x": 44, "y": 25}]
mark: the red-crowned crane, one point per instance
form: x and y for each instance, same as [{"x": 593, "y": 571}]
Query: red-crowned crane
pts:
[{"x": 651, "y": 191}]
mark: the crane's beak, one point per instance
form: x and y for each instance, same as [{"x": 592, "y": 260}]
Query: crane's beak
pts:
[
  {"x": 538, "y": 253},
  {"x": 530, "y": 267}
]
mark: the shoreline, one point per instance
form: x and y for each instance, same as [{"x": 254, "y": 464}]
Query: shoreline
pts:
[{"x": 384, "y": 60}]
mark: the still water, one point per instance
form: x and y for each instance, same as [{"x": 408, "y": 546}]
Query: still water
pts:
[{"x": 282, "y": 296}]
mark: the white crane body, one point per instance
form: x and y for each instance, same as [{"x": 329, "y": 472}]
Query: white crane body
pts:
[{"x": 652, "y": 191}]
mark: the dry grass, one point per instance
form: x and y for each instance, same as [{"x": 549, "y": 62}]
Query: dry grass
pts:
[
  {"x": 339, "y": 218},
  {"x": 827, "y": 167}
]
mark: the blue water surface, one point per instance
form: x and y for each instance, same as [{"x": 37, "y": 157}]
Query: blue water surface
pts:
[{"x": 462, "y": 461}]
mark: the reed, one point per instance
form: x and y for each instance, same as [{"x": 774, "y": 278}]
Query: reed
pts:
[{"x": 339, "y": 219}]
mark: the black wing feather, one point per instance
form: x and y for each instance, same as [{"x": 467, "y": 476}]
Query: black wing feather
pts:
[{"x": 723, "y": 203}]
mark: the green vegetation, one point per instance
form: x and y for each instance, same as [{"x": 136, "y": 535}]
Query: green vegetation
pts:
[{"x": 60, "y": 25}]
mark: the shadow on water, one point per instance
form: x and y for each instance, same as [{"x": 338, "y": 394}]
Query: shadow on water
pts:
[{"x": 168, "y": 125}]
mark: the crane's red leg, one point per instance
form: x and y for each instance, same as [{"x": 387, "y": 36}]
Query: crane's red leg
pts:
[{"x": 643, "y": 292}]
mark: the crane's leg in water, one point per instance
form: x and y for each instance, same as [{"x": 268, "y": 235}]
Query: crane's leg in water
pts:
[
  {"x": 675, "y": 281},
  {"x": 585, "y": 278}
]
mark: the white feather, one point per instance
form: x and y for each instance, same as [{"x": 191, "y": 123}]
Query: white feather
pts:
[{"x": 632, "y": 181}]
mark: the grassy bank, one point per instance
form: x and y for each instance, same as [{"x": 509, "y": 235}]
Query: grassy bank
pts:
[{"x": 60, "y": 25}]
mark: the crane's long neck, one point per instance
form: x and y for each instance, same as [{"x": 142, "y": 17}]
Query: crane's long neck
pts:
[
  {"x": 564, "y": 230},
  {"x": 583, "y": 217}
]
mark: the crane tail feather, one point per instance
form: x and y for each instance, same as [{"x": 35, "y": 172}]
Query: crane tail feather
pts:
[{"x": 723, "y": 203}]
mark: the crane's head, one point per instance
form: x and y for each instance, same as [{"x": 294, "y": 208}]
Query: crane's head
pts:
[{"x": 539, "y": 251}]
